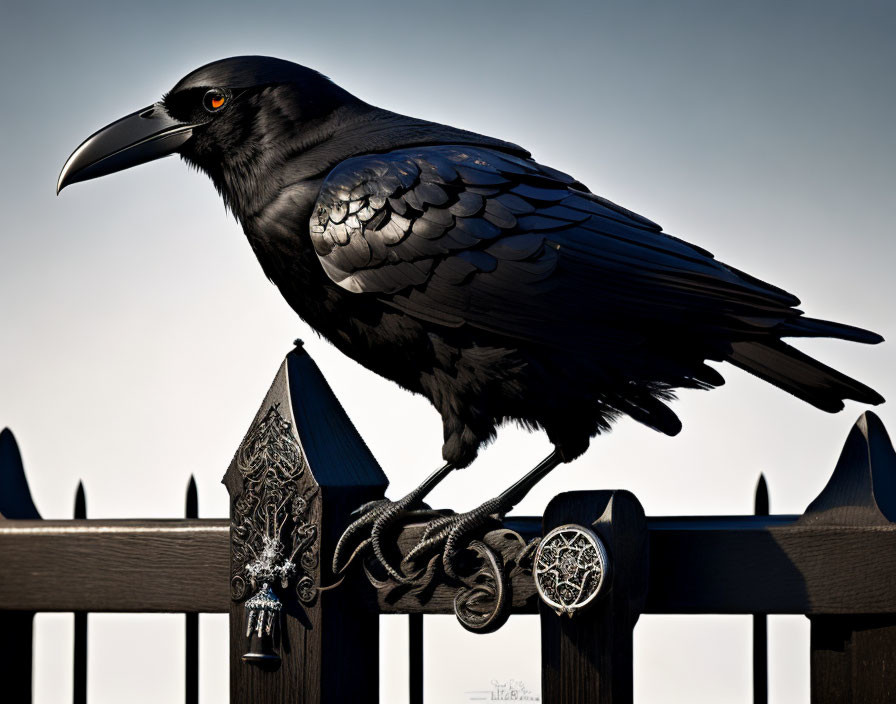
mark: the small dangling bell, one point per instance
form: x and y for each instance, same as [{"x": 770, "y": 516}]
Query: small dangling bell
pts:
[
  {"x": 263, "y": 612},
  {"x": 262, "y": 652}
]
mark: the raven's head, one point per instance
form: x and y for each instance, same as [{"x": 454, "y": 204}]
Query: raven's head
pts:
[{"x": 225, "y": 118}]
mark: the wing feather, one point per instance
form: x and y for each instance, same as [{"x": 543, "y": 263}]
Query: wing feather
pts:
[{"x": 472, "y": 236}]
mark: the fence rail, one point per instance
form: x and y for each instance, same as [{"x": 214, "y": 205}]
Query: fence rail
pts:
[
  {"x": 712, "y": 564},
  {"x": 836, "y": 563}
]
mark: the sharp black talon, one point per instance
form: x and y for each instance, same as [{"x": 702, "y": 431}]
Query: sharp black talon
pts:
[
  {"x": 381, "y": 516},
  {"x": 381, "y": 525},
  {"x": 452, "y": 534},
  {"x": 375, "y": 521},
  {"x": 369, "y": 512}
]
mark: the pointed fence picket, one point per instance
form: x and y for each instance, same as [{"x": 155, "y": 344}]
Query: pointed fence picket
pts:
[
  {"x": 760, "y": 621},
  {"x": 79, "y": 681}
]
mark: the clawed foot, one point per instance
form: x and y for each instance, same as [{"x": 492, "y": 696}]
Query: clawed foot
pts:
[
  {"x": 452, "y": 534},
  {"x": 376, "y": 518},
  {"x": 457, "y": 541}
]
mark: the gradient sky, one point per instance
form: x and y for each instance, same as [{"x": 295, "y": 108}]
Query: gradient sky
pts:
[{"x": 138, "y": 334}]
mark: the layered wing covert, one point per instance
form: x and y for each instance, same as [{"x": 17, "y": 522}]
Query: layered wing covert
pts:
[{"x": 472, "y": 236}]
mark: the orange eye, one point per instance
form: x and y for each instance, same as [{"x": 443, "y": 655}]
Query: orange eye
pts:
[{"x": 214, "y": 100}]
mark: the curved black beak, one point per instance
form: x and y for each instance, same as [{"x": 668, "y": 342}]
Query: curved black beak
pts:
[{"x": 143, "y": 136}]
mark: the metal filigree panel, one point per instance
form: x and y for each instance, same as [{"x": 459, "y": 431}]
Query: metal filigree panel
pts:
[
  {"x": 274, "y": 531},
  {"x": 570, "y": 568}
]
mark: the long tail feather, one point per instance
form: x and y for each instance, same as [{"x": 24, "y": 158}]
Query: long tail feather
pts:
[
  {"x": 813, "y": 327},
  {"x": 789, "y": 369}
]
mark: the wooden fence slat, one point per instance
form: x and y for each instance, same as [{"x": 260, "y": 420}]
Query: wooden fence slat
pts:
[
  {"x": 760, "y": 621},
  {"x": 586, "y": 658},
  {"x": 191, "y": 619},
  {"x": 16, "y": 654},
  {"x": 16, "y": 626},
  {"x": 79, "y": 680},
  {"x": 853, "y": 656},
  {"x": 415, "y": 658},
  {"x": 303, "y": 468}
]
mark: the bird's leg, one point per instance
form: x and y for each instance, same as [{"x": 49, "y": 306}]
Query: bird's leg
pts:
[
  {"x": 377, "y": 516},
  {"x": 450, "y": 533}
]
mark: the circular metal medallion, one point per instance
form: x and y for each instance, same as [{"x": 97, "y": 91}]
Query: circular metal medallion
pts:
[{"x": 570, "y": 567}]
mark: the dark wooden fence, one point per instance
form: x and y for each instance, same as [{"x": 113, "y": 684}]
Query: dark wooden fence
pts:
[{"x": 836, "y": 563}]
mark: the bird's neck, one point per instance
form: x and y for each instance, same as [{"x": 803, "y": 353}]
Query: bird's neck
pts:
[
  {"x": 271, "y": 156},
  {"x": 272, "y": 181},
  {"x": 284, "y": 155}
]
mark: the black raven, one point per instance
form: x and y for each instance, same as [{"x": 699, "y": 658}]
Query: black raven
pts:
[{"x": 465, "y": 271}]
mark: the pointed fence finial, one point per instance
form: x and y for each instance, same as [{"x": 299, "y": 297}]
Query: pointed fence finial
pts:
[
  {"x": 79, "y": 663},
  {"x": 80, "y": 502},
  {"x": 760, "y": 501},
  {"x": 862, "y": 489},
  {"x": 15, "y": 496},
  {"x": 192, "y": 504}
]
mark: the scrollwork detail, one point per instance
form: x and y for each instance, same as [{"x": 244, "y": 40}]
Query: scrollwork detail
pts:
[
  {"x": 274, "y": 536},
  {"x": 484, "y": 594}
]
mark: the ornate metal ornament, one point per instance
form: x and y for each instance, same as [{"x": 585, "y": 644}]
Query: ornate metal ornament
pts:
[
  {"x": 263, "y": 609},
  {"x": 483, "y": 589},
  {"x": 274, "y": 537},
  {"x": 570, "y": 567}
]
